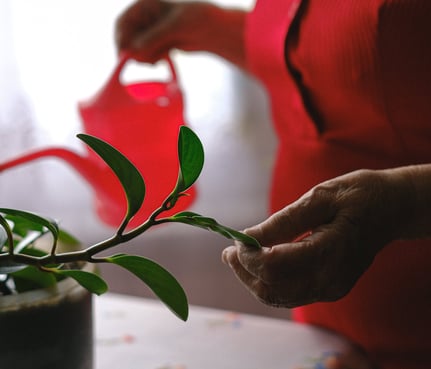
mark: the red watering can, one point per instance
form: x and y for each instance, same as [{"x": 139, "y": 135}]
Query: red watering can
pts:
[{"x": 142, "y": 121}]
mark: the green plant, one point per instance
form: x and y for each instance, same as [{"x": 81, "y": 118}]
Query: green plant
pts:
[{"x": 29, "y": 266}]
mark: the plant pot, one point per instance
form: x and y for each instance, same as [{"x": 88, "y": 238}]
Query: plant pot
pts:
[{"x": 47, "y": 328}]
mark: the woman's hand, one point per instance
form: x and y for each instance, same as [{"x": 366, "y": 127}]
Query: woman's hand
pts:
[
  {"x": 351, "y": 218},
  {"x": 149, "y": 29}
]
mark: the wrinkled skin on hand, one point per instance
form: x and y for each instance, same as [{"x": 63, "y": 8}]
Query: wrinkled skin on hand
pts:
[
  {"x": 149, "y": 29},
  {"x": 351, "y": 218}
]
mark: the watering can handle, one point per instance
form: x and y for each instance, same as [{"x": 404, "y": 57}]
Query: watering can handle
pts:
[
  {"x": 114, "y": 92},
  {"x": 125, "y": 57}
]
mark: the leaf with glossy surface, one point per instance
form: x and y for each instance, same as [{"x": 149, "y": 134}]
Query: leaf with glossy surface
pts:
[
  {"x": 67, "y": 238},
  {"x": 37, "y": 220},
  {"x": 130, "y": 178},
  {"x": 31, "y": 278},
  {"x": 21, "y": 226},
  {"x": 191, "y": 158},
  {"x": 158, "y": 279},
  {"x": 211, "y": 224},
  {"x": 90, "y": 281}
]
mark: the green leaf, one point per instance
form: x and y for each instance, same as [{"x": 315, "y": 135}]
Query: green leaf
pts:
[
  {"x": 31, "y": 278},
  {"x": 211, "y": 224},
  {"x": 67, "y": 238},
  {"x": 130, "y": 178},
  {"x": 33, "y": 251},
  {"x": 36, "y": 220},
  {"x": 90, "y": 281},
  {"x": 191, "y": 158},
  {"x": 22, "y": 227},
  {"x": 158, "y": 279}
]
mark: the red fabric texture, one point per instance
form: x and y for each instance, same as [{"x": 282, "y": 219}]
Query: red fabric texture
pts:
[{"x": 350, "y": 87}]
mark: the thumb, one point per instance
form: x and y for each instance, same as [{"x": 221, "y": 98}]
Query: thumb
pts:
[{"x": 290, "y": 223}]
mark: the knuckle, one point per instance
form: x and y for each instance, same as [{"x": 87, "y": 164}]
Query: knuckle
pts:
[
  {"x": 284, "y": 221},
  {"x": 319, "y": 192}
]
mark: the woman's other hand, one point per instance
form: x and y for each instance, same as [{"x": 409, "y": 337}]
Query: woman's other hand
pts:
[{"x": 149, "y": 29}]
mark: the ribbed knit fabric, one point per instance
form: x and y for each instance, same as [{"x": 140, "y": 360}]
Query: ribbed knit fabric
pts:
[{"x": 350, "y": 86}]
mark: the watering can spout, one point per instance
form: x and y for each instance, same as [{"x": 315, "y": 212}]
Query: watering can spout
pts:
[
  {"x": 89, "y": 169},
  {"x": 99, "y": 176},
  {"x": 101, "y": 179}
]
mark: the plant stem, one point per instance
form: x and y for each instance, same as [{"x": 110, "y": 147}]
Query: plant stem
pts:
[{"x": 89, "y": 253}]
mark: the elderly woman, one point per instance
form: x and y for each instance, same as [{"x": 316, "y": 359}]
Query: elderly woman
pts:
[{"x": 350, "y": 88}]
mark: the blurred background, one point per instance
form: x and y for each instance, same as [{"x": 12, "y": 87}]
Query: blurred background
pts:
[{"x": 54, "y": 54}]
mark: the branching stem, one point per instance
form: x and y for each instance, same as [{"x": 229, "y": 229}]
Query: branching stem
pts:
[{"x": 89, "y": 253}]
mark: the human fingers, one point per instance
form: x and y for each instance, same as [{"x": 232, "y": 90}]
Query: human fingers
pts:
[
  {"x": 230, "y": 258},
  {"x": 296, "y": 220},
  {"x": 134, "y": 19},
  {"x": 268, "y": 294},
  {"x": 143, "y": 28},
  {"x": 153, "y": 45},
  {"x": 343, "y": 215},
  {"x": 323, "y": 266},
  {"x": 272, "y": 276}
]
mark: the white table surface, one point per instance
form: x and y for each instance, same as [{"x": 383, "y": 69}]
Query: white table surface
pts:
[{"x": 133, "y": 332}]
